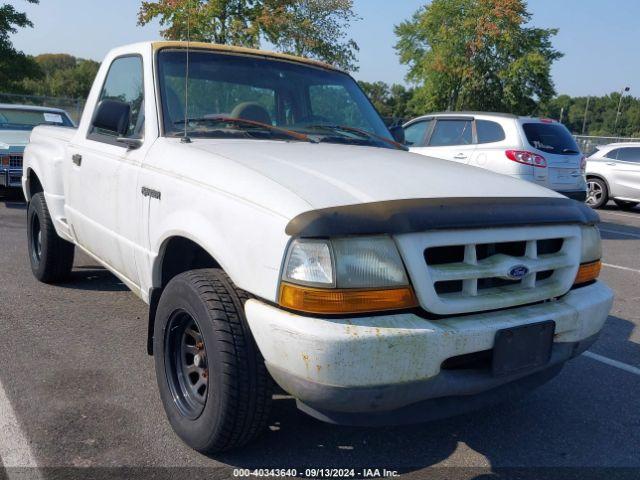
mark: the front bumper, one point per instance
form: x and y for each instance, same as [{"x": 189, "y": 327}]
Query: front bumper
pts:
[
  {"x": 11, "y": 177},
  {"x": 374, "y": 369}
]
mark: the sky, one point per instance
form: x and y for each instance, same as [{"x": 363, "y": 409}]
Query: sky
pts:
[{"x": 598, "y": 37}]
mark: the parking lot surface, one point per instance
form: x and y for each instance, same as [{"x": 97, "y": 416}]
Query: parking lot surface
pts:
[{"x": 77, "y": 389}]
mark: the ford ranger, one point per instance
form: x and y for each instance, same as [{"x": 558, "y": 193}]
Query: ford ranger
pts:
[{"x": 283, "y": 237}]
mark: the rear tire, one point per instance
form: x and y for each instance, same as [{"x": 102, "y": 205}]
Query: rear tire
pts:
[
  {"x": 625, "y": 205},
  {"x": 597, "y": 193},
  {"x": 214, "y": 385},
  {"x": 51, "y": 257}
]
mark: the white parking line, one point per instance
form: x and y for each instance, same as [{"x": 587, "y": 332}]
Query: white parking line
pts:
[
  {"x": 618, "y": 232},
  {"x": 613, "y": 363},
  {"x": 14, "y": 447},
  {"x": 621, "y": 268}
]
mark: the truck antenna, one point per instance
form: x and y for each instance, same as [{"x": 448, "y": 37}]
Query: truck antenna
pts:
[{"x": 185, "y": 138}]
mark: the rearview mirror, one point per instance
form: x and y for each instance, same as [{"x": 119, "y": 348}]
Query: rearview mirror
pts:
[
  {"x": 113, "y": 116},
  {"x": 398, "y": 133}
]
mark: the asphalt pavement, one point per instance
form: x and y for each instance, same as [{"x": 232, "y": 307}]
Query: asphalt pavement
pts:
[{"x": 78, "y": 395}]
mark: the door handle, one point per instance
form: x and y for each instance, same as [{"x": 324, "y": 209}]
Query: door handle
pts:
[
  {"x": 613, "y": 164},
  {"x": 77, "y": 159},
  {"x": 460, "y": 156}
]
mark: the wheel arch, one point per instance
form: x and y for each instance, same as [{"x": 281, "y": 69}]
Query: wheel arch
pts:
[
  {"x": 177, "y": 254},
  {"x": 33, "y": 184}
]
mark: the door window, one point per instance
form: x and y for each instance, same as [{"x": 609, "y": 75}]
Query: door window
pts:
[
  {"x": 629, "y": 154},
  {"x": 415, "y": 133},
  {"x": 451, "y": 132},
  {"x": 124, "y": 83}
]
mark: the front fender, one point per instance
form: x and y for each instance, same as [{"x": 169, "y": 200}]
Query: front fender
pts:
[{"x": 246, "y": 241}]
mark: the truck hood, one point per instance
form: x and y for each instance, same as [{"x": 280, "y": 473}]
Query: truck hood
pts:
[
  {"x": 14, "y": 138},
  {"x": 328, "y": 175}
]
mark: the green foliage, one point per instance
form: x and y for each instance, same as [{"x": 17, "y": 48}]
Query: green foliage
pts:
[
  {"x": 14, "y": 65},
  {"x": 392, "y": 102},
  {"x": 313, "y": 28},
  {"x": 477, "y": 54},
  {"x": 62, "y": 75},
  {"x": 601, "y": 115}
]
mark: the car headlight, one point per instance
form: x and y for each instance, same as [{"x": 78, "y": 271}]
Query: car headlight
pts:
[
  {"x": 590, "y": 256},
  {"x": 343, "y": 276}
]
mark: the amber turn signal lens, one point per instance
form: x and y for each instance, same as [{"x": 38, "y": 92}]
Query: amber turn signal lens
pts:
[
  {"x": 347, "y": 301},
  {"x": 588, "y": 272}
]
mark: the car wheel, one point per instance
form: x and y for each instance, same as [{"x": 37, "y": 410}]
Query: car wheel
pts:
[
  {"x": 625, "y": 205},
  {"x": 51, "y": 257},
  {"x": 597, "y": 193},
  {"x": 213, "y": 383}
]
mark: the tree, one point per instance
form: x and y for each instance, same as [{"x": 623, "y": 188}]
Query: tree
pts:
[
  {"x": 601, "y": 115},
  {"x": 392, "y": 102},
  {"x": 477, "y": 55},
  {"x": 62, "y": 76},
  {"x": 314, "y": 28},
  {"x": 14, "y": 65}
]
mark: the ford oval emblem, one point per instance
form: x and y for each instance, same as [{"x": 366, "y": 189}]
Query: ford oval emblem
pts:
[{"x": 518, "y": 272}]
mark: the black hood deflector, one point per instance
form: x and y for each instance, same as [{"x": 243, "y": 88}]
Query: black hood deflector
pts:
[{"x": 418, "y": 215}]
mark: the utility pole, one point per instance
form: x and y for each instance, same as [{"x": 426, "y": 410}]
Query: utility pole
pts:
[
  {"x": 622, "y": 92},
  {"x": 586, "y": 111},
  {"x": 561, "y": 114}
]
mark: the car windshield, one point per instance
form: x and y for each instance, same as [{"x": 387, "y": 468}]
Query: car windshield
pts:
[
  {"x": 551, "y": 138},
  {"x": 21, "y": 119},
  {"x": 244, "y": 96}
]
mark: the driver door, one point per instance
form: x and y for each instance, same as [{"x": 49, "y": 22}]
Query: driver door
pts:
[{"x": 103, "y": 202}]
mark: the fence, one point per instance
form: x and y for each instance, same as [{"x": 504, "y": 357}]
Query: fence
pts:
[
  {"x": 73, "y": 106},
  {"x": 588, "y": 144}
]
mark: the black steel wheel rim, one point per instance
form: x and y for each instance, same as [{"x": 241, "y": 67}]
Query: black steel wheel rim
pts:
[
  {"x": 36, "y": 239},
  {"x": 186, "y": 364}
]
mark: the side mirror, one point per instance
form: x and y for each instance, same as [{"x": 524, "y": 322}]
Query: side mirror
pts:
[
  {"x": 398, "y": 133},
  {"x": 113, "y": 116}
]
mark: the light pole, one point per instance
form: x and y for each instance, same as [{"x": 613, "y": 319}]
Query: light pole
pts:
[
  {"x": 584, "y": 121},
  {"x": 622, "y": 92}
]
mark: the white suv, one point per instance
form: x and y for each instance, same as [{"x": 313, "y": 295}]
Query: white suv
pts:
[{"x": 541, "y": 151}]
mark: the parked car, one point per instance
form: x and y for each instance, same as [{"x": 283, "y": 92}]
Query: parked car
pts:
[
  {"x": 540, "y": 151},
  {"x": 270, "y": 244},
  {"x": 16, "y": 123},
  {"x": 613, "y": 173}
]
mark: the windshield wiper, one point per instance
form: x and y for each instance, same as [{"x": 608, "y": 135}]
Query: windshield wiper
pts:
[
  {"x": 251, "y": 123},
  {"x": 570, "y": 150},
  {"x": 358, "y": 132}
]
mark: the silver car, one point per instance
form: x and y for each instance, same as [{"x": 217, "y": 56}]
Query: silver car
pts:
[
  {"x": 613, "y": 173},
  {"x": 538, "y": 150}
]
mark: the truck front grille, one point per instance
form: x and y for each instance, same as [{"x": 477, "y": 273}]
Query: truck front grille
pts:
[{"x": 477, "y": 270}]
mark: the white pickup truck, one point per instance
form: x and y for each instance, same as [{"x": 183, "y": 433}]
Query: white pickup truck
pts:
[{"x": 281, "y": 236}]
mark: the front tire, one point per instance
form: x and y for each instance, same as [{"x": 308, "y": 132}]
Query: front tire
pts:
[
  {"x": 597, "y": 193},
  {"x": 50, "y": 256},
  {"x": 625, "y": 205},
  {"x": 212, "y": 379}
]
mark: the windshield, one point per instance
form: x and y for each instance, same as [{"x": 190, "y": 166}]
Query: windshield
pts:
[
  {"x": 19, "y": 119},
  {"x": 236, "y": 96},
  {"x": 551, "y": 138}
]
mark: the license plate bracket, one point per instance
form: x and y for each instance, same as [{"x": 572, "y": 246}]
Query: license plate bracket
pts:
[{"x": 522, "y": 348}]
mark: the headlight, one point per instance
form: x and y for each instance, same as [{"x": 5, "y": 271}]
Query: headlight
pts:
[
  {"x": 590, "y": 263},
  {"x": 343, "y": 276}
]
